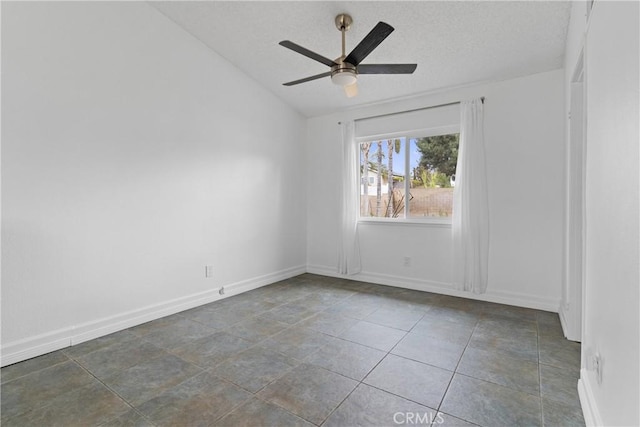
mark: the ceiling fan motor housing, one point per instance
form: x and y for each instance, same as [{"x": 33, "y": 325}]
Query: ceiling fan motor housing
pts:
[{"x": 343, "y": 73}]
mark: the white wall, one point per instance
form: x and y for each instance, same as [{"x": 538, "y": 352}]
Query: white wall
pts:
[
  {"x": 132, "y": 156},
  {"x": 524, "y": 132},
  {"x": 612, "y": 274}
]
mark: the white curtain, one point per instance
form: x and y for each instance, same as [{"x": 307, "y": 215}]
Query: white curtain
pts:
[
  {"x": 349, "y": 249},
  {"x": 470, "y": 203}
]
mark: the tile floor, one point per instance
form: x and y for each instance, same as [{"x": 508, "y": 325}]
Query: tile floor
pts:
[{"x": 307, "y": 351}]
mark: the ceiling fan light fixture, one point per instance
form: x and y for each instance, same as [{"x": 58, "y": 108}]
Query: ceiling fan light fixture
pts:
[
  {"x": 351, "y": 90},
  {"x": 344, "y": 77}
]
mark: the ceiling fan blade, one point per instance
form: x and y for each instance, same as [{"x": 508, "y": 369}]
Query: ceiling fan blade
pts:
[
  {"x": 351, "y": 90},
  {"x": 308, "y": 79},
  {"x": 386, "y": 68},
  {"x": 306, "y": 52},
  {"x": 370, "y": 42}
]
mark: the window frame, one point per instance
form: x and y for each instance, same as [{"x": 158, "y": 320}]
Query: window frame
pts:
[{"x": 430, "y": 221}]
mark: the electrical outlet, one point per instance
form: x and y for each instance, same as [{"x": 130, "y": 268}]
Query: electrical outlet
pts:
[
  {"x": 406, "y": 261},
  {"x": 208, "y": 271}
]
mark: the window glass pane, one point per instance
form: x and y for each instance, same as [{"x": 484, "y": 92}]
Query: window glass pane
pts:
[
  {"x": 432, "y": 168},
  {"x": 382, "y": 165}
]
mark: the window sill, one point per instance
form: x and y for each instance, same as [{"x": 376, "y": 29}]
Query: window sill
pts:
[{"x": 411, "y": 222}]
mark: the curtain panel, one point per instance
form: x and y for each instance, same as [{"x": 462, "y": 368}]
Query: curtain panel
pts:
[
  {"x": 470, "y": 222},
  {"x": 349, "y": 248}
]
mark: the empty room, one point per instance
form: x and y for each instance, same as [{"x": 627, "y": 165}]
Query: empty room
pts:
[{"x": 320, "y": 213}]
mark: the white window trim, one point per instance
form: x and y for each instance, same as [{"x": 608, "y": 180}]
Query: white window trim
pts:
[{"x": 412, "y": 222}]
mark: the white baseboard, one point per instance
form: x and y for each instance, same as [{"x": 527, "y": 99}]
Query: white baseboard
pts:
[
  {"x": 570, "y": 331},
  {"x": 587, "y": 401},
  {"x": 501, "y": 297},
  {"x": 27, "y": 348},
  {"x": 562, "y": 314}
]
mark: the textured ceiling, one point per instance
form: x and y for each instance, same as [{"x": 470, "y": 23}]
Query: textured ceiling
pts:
[{"x": 453, "y": 43}]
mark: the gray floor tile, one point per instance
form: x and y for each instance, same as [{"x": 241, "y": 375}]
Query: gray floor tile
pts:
[
  {"x": 289, "y": 313},
  {"x": 309, "y": 392},
  {"x": 119, "y": 356},
  {"x": 27, "y": 367},
  {"x": 329, "y": 323},
  {"x": 256, "y": 413},
  {"x": 446, "y": 420},
  {"x": 550, "y": 330},
  {"x": 557, "y": 385},
  {"x": 255, "y": 367},
  {"x": 443, "y": 329},
  {"x": 211, "y": 350},
  {"x": 321, "y": 300},
  {"x": 99, "y": 343},
  {"x": 278, "y": 296},
  {"x": 523, "y": 347},
  {"x": 556, "y": 414},
  {"x": 560, "y": 352},
  {"x": 488, "y": 404},
  {"x": 148, "y": 379},
  {"x": 510, "y": 312},
  {"x": 372, "y": 335},
  {"x": 410, "y": 300},
  {"x": 434, "y": 351},
  {"x": 357, "y": 306},
  {"x": 453, "y": 314},
  {"x": 251, "y": 306},
  {"x": 32, "y": 391},
  {"x": 462, "y": 304},
  {"x": 346, "y": 358},
  {"x": 549, "y": 324},
  {"x": 297, "y": 342},
  {"x": 368, "y": 406},
  {"x": 548, "y": 317},
  {"x": 217, "y": 318},
  {"x": 506, "y": 327},
  {"x": 131, "y": 418},
  {"x": 154, "y": 325},
  {"x": 397, "y": 318},
  {"x": 178, "y": 333},
  {"x": 85, "y": 406},
  {"x": 412, "y": 380},
  {"x": 198, "y": 401},
  {"x": 256, "y": 328},
  {"x": 517, "y": 374}
]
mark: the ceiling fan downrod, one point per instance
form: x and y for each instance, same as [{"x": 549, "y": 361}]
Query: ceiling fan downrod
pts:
[
  {"x": 343, "y": 23},
  {"x": 343, "y": 73}
]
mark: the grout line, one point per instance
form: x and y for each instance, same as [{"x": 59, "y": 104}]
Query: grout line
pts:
[
  {"x": 455, "y": 370},
  {"x": 117, "y": 394}
]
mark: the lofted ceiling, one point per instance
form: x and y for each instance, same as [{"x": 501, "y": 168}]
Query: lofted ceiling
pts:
[{"x": 454, "y": 43}]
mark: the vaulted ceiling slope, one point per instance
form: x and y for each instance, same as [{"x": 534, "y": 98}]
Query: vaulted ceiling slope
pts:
[{"x": 453, "y": 43}]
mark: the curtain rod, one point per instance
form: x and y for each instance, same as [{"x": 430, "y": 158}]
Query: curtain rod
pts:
[{"x": 411, "y": 111}]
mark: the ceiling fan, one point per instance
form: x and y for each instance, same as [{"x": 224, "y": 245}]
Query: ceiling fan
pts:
[{"x": 345, "y": 69}]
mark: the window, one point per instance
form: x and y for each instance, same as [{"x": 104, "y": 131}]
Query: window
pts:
[{"x": 409, "y": 176}]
